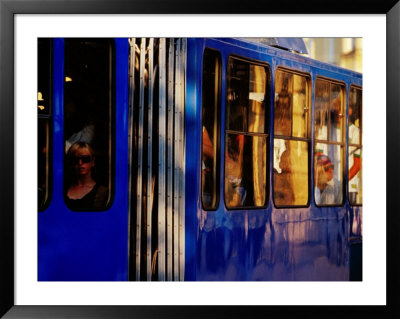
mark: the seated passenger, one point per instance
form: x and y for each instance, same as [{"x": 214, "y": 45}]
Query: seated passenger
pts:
[
  {"x": 207, "y": 164},
  {"x": 327, "y": 188},
  {"x": 283, "y": 188},
  {"x": 235, "y": 193},
  {"x": 84, "y": 193}
]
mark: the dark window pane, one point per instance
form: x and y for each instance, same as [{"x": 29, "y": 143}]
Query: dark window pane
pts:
[
  {"x": 44, "y": 105},
  {"x": 246, "y": 96},
  {"x": 44, "y": 76},
  {"x": 210, "y": 128},
  {"x": 88, "y": 110}
]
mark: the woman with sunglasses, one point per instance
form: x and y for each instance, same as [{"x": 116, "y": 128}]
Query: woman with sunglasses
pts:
[{"x": 84, "y": 193}]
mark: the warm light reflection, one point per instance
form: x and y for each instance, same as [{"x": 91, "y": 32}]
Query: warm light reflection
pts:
[
  {"x": 68, "y": 79},
  {"x": 41, "y": 107},
  {"x": 40, "y": 96}
]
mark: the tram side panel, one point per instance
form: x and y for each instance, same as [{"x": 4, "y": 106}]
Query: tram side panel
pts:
[
  {"x": 91, "y": 243},
  {"x": 309, "y": 243}
]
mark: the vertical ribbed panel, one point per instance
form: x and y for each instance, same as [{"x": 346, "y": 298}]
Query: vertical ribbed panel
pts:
[
  {"x": 170, "y": 153},
  {"x": 160, "y": 237},
  {"x": 177, "y": 151},
  {"x": 150, "y": 184},
  {"x": 130, "y": 136},
  {"x": 140, "y": 157},
  {"x": 161, "y": 159}
]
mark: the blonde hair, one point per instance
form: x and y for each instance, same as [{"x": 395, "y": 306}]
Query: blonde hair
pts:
[{"x": 77, "y": 146}]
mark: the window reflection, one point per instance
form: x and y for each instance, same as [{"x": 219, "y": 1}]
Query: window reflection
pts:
[
  {"x": 355, "y": 146},
  {"x": 245, "y": 139},
  {"x": 291, "y": 139},
  {"x": 328, "y": 151},
  {"x": 290, "y": 173},
  {"x": 327, "y": 175},
  {"x": 321, "y": 110},
  {"x": 245, "y": 170}
]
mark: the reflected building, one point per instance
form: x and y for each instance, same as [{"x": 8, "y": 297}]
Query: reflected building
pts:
[{"x": 344, "y": 52}]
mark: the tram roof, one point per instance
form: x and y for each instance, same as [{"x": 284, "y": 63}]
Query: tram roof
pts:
[
  {"x": 290, "y": 44},
  {"x": 295, "y": 47}
]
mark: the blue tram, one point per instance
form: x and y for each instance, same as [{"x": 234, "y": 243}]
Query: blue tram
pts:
[{"x": 217, "y": 160}]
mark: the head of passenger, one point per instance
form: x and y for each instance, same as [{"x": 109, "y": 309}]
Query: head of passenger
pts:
[
  {"x": 82, "y": 160},
  {"x": 325, "y": 163},
  {"x": 284, "y": 163}
]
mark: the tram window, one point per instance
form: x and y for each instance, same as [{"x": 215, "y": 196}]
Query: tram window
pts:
[
  {"x": 291, "y": 139},
  {"x": 210, "y": 128},
  {"x": 328, "y": 125},
  {"x": 245, "y": 135},
  {"x": 88, "y": 123},
  {"x": 44, "y": 108},
  {"x": 355, "y": 146}
]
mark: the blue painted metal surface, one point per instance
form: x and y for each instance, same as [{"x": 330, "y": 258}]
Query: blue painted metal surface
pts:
[
  {"x": 87, "y": 246},
  {"x": 309, "y": 243}
]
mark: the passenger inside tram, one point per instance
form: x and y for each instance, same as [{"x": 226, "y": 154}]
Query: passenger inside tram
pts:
[
  {"x": 83, "y": 192},
  {"x": 235, "y": 193},
  {"x": 327, "y": 188},
  {"x": 207, "y": 167}
]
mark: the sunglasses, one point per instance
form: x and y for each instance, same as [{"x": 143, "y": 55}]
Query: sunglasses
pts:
[{"x": 85, "y": 159}]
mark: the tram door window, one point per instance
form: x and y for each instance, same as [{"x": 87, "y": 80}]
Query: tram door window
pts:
[
  {"x": 291, "y": 139},
  {"x": 246, "y": 134},
  {"x": 88, "y": 123},
  {"x": 355, "y": 146},
  {"x": 329, "y": 142},
  {"x": 44, "y": 108},
  {"x": 210, "y": 128}
]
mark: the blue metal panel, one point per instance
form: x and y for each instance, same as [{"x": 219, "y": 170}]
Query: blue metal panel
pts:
[
  {"x": 87, "y": 245},
  {"x": 309, "y": 243},
  {"x": 192, "y": 132}
]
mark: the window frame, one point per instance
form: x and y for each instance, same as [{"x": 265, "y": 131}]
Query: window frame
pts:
[
  {"x": 357, "y": 87},
  {"x": 266, "y": 134},
  {"x": 218, "y": 122},
  {"x": 308, "y": 137},
  {"x": 343, "y": 143},
  {"x": 112, "y": 106}
]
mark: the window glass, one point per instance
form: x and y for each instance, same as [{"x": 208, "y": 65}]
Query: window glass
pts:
[
  {"x": 44, "y": 105},
  {"x": 291, "y": 139},
  {"x": 210, "y": 128},
  {"x": 291, "y": 173},
  {"x": 300, "y": 106},
  {"x": 88, "y": 112},
  {"x": 336, "y": 113},
  {"x": 246, "y": 138},
  {"x": 321, "y": 110},
  {"x": 328, "y": 151},
  {"x": 355, "y": 146}
]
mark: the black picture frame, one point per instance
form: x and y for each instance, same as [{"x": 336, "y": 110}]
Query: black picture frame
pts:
[{"x": 8, "y": 10}]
